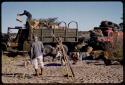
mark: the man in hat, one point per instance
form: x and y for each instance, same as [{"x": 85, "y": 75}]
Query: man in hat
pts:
[{"x": 37, "y": 55}]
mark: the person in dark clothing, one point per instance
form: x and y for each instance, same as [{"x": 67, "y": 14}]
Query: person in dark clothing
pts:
[
  {"x": 29, "y": 18},
  {"x": 28, "y": 14}
]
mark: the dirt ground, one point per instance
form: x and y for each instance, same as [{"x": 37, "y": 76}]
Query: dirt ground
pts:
[{"x": 14, "y": 71}]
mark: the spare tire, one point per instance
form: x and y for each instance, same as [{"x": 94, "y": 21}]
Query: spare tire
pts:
[
  {"x": 66, "y": 48},
  {"x": 103, "y": 24},
  {"x": 106, "y": 24},
  {"x": 47, "y": 49},
  {"x": 109, "y": 24}
]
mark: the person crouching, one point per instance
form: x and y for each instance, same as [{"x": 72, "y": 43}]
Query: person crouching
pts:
[{"x": 37, "y": 55}]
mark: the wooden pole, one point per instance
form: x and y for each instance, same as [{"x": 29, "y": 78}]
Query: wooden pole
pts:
[{"x": 68, "y": 66}]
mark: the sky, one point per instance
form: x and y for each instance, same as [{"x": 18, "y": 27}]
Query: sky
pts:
[{"x": 87, "y": 14}]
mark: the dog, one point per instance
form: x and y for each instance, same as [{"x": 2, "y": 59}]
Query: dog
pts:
[
  {"x": 75, "y": 57},
  {"x": 97, "y": 54},
  {"x": 100, "y": 54}
]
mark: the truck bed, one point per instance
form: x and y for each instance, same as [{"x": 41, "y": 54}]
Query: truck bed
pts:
[{"x": 68, "y": 35}]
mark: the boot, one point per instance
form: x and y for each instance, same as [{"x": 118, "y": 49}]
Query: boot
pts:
[
  {"x": 36, "y": 72},
  {"x": 41, "y": 71}
]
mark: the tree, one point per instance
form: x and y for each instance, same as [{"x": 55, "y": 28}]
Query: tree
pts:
[{"x": 49, "y": 21}]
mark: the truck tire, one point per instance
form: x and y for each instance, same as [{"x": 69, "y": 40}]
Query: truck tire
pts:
[
  {"x": 66, "y": 48},
  {"x": 4, "y": 46},
  {"x": 47, "y": 49},
  {"x": 106, "y": 24},
  {"x": 109, "y": 24}
]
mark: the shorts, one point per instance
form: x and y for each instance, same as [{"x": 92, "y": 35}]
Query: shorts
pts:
[{"x": 38, "y": 61}]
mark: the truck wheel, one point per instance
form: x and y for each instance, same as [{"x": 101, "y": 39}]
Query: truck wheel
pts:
[
  {"x": 47, "y": 49},
  {"x": 4, "y": 46},
  {"x": 107, "y": 24},
  {"x": 65, "y": 48}
]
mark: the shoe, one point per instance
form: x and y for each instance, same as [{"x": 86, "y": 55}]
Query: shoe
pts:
[
  {"x": 41, "y": 71},
  {"x": 36, "y": 72}
]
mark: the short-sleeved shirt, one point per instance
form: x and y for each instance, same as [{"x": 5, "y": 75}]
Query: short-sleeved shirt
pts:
[{"x": 36, "y": 49}]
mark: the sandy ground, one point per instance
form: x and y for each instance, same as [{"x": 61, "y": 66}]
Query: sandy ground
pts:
[{"x": 14, "y": 71}]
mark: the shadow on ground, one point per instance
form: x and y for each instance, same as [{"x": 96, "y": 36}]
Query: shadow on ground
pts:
[
  {"x": 53, "y": 64},
  {"x": 17, "y": 75}
]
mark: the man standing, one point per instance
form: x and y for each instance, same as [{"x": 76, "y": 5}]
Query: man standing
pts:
[
  {"x": 37, "y": 55},
  {"x": 29, "y": 18}
]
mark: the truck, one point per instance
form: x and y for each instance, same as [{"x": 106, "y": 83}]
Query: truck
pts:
[
  {"x": 21, "y": 43},
  {"x": 111, "y": 42}
]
